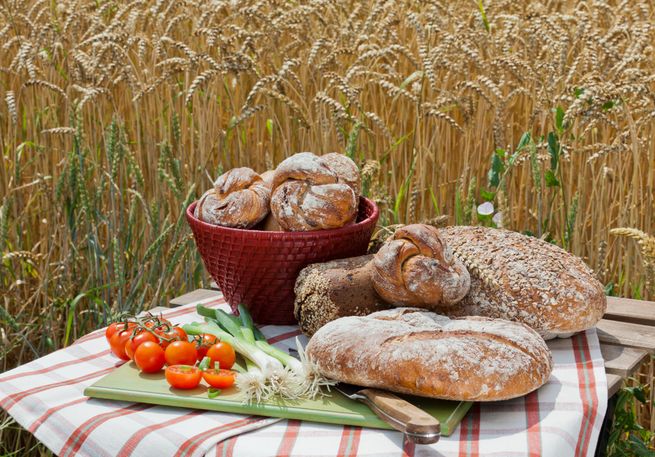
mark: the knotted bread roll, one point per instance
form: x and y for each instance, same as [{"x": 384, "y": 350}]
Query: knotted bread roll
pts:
[
  {"x": 239, "y": 199},
  {"x": 315, "y": 193},
  {"x": 415, "y": 267}
]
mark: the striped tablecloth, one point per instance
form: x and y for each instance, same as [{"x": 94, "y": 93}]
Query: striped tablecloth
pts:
[{"x": 561, "y": 419}]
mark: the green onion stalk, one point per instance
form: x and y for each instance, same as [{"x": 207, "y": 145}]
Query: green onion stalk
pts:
[{"x": 269, "y": 370}]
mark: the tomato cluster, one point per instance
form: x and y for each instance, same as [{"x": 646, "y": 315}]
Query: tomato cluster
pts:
[{"x": 153, "y": 342}]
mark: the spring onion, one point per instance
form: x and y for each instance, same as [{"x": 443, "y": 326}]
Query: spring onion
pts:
[{"x": 269, "y": 370}]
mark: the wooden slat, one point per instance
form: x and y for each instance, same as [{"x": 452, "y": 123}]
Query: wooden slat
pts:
[
  {"x": 614, "y": 383},
  {"x": 628, "y": 310},
  {"x": 196, "y": 295},
  {"x": 627, "y": 334},
  {"x": 621, "y": 360}
]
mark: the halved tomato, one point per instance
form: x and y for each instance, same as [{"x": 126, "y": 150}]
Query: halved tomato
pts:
[
  {"x": 183, "y": 376},
  {"x": 220, "y": 379}
]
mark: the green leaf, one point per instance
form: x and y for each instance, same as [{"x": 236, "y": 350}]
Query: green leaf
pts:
[
  {"x": 435, "y": 203},
  {"x": 483, "y": 14},
  {"x": 609, "y": 289},
  {"x": 578, "y": 91},
  {"x": 559, "y": 119},
  {"x": 524, "y": 141},
  {"x": 269, "y": 127},
  {"x": 553, "y": 150},
  {"x": 487, "y": 195},
  {"x": 608, "y": 105},
  {"x": 212, "y": 392},
  {"x": 551, "y": 180},
  {"x": 497, "y": 168}
]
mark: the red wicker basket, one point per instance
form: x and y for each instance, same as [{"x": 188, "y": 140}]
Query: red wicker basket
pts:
[{"x": 259, "y": 268}]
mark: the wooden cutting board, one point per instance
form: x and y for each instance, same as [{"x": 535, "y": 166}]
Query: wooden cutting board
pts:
[{"x": 128, "y": 384}]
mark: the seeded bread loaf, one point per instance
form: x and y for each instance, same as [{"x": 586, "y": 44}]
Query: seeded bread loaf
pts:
[
  {"x": 417, "y": 352},
  {"x": 327, "y": 291},
  {"x": 525, "y": 279}
]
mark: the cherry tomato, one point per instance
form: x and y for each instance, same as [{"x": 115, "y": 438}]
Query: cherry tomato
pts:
[
  {"x": 149, "y": 357},
  {"x": 117, "y": 343},
  {"x": 116, "y": 326},
  {"x": 206, "y": 341},
  {"x": 181, "y": 333},
  {"x": 181, "y": 353},
  {"x": 167, "y": 334},
  {"x": 183, "y": 376},
  {"x": 137, "y": 340},
  {"x": 156, "y": 322},
  {"x": 222, "y": 353},
  {"x": 220, "y": 379}
]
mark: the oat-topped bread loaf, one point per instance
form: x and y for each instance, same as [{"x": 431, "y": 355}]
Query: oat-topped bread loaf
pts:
[
  {"x": 415, "y": 267},
  {"x": 417, "y": 352},
  {"x": 240, "y": 199},
  {"x": 525, "y": 279},
  {"x": 315, "y": 193}
]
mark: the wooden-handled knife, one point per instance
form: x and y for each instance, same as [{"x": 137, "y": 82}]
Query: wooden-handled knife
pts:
[{"x": 419, "y": 426}]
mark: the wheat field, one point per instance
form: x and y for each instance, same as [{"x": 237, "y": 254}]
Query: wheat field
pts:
[{"x": 115, "y": 115}]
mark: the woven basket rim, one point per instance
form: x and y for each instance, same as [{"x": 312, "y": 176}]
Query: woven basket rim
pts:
[{"x": 287, "y": 235}]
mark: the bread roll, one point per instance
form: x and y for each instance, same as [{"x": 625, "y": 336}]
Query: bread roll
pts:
[
  {"x": 239, "y": 199},
  {"x": 314, "y": 193},
  {"x": 525, "y": 279},
  {"x": 416, "y": 268},
  {"x": 327, "y": 291},
  {"x": 416, "y": 352}
]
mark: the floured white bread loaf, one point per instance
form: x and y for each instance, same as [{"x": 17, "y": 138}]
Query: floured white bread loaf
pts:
[
  {"x": 524, "y": 279},
  {"x": 417, "y": 352}
]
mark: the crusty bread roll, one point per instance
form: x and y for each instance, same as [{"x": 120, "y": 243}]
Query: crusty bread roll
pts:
[
  {"x": 239, "y": 199},
  {"x": 416, "y": 268},
  {"x": 329, "y": 290},
  {"x": 525, "y": 279},
  {"x": 416, "y": 352},
  {"x": 314, "y": 193}
]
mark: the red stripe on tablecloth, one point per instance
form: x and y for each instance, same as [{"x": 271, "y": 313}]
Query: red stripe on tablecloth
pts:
[
  {"x": 226, "y": 447},
  {"x": 409, "y": 447},
  {"x": 57, "y": 366},
  {"x": 283, "y": 336},
  {"x": 532, "y": 419},
  {"x": 131, "y": 444},
  {"x": 585, "y": 425},
  {"x": 590, "y": 391},
  {"x": 464, "y": 436},
  {"x": 81, "y": 433},
  {"x": 193, "y": 443},
  {"x": 167, "y": 315},
  {"x": 10, "y": 400},
  {"x": 475, "y": 432},
  {"x": 289, "y": 438},
  {"x": 349, "y": 441},
  {"x": 43, "y": 417}
]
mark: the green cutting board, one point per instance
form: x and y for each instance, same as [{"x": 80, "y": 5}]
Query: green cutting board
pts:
[{"x": 128, "y": 384}]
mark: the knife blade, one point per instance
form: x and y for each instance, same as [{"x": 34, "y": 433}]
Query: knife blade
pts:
[{"x": 416, "y": 424}]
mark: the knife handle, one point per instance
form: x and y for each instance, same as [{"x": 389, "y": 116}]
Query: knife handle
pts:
[{"x": 418, "y": 425}]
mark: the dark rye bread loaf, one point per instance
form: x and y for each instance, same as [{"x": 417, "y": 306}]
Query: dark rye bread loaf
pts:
[
  {"x": 525, "y": 279},
  {"x": 417, "y": 352},
  {"x": 327, "y": 291}
]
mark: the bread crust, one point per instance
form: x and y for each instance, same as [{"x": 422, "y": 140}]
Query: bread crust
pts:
[
  {"x": 415, "y": 267},
  {"x": 315, "y": 193},
  {"x": 239, "y": 199},
  {"x": 329, "y": 290},
  {"x": 525, "y": 279},
  {"x": 416, "y": 352}
]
